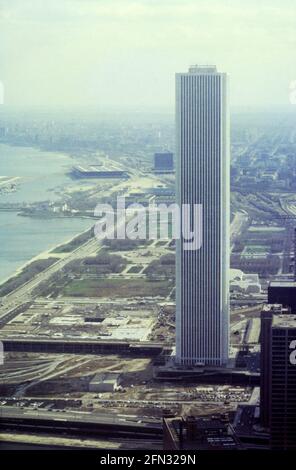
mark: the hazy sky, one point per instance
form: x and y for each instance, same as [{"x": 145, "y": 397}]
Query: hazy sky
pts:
[{"x": 124, "y": 53}]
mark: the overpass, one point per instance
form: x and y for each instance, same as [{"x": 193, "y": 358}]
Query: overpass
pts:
[
  {"x": 78, "y": 346},
  {"x": 81, "y": 424}
]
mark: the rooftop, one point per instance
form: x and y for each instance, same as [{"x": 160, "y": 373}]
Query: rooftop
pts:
[
  {"x": 290, "y": 284},
  {"x": 202, "y": 69},
  {"x": 275, "y": 308},
  {"x": 105, "y": 377},
  {"x": 284, "y": 321}
]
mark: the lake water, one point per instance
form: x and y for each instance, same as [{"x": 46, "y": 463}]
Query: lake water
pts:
[{"x": 22, "y": 238}]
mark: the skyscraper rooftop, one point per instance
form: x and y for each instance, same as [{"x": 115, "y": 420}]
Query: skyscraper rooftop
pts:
[{"x": 202, "y": 69}]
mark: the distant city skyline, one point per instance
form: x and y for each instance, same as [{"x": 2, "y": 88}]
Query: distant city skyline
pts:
[{"x": 122, "y": 54}]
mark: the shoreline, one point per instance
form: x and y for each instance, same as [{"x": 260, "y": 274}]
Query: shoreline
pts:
[
  {"x": 45, "y": 253},
  {"x": 49, "y": 253}
]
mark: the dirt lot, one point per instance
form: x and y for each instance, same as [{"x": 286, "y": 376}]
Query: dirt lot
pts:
[{"x": 124, "y": 288}]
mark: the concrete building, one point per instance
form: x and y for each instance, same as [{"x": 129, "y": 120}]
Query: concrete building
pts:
[
  {"x": 244, "y": 283},
  {"x": 94, "y": 172},
  {"x": 202, "y": 177},
  {"x": 104, "y": 382},
  {"x": 278, "y": 378}
]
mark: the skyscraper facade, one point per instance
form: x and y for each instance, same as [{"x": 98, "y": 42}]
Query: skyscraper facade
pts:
[
  {"x": 283, "y": 292},
  {"x": 202, "y": 177},
  {"x": 278, "y": 379},
  {"x": 268, "y": 311}
]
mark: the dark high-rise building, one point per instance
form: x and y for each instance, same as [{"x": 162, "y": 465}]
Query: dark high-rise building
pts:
[
  {"x": 199, "y": 433},
  {"x": 283, "y": 292},
  {"x": 278, "y": 379},
  {"x": 265, "y": 358},
  {"x": 163, "y": 162}
]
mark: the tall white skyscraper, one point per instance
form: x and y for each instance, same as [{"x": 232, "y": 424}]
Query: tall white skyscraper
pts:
[{"x": 202, "y": 175}]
